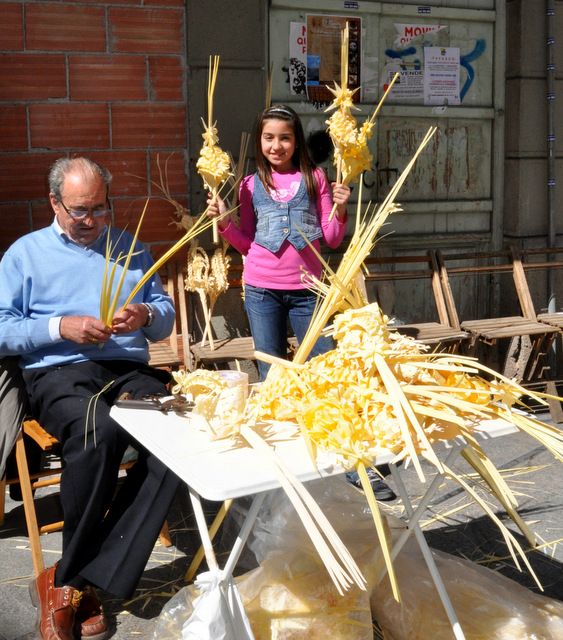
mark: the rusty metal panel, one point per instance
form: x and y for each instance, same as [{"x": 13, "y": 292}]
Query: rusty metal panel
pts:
[{"x": 455, "y": 165}]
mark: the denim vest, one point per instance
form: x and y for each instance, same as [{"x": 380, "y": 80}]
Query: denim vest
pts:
[{"x": 278, "y": 221}]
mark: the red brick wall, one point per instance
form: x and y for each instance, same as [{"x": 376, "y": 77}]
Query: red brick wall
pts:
[{"x": 102, "y": 79}]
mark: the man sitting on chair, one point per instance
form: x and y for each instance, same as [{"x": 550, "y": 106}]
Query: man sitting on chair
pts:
[{"x": 74, "y": 366}]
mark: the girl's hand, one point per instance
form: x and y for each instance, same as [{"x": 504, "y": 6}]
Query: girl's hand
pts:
[
  {"x": 340, "y": 196},
  {"x": 216, "y": 207}
]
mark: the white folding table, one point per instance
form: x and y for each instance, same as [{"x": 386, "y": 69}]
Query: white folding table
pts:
[{"x": 222, "y": 469}]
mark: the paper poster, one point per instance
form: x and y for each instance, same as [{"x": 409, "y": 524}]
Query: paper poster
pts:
[
  {"x": 409, "y": 85},
  {"x": 324, "y": 54},
  {"x": 297, "y": 57},
  {"x": 441, "y": 75},
  {"x": 406, "y": 33}
]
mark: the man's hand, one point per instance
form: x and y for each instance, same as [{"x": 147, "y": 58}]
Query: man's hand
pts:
[
  {"x": 84, "y": 329},
  {"x": 129, "y": 319}
]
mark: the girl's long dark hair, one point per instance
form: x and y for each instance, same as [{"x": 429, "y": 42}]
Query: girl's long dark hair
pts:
[{"x": 301, "y": 158}]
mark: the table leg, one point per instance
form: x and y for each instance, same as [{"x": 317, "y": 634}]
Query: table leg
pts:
[
  {"x": 196, "y": 560},
  {"x": 424, "y": 548},
  {"x": 240, "y": 541},
  {"x": 244, "y": 532},
  {"x": 429, "y": 494},
  {"x": 203, "y": 530},
  {"x": 229, "y": 619}
]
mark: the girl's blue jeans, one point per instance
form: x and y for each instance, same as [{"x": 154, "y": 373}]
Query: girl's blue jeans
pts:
[{"x": 268, "y": 311}]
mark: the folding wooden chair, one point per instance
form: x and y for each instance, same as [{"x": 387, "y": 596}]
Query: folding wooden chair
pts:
[
  {"x": 167, "y": 353},
  {"x": 490, "y": 330},
  {"x": 443, "y": 333}
]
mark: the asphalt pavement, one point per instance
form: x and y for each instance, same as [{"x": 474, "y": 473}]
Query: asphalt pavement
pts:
[{"x": 452, "y": 523}]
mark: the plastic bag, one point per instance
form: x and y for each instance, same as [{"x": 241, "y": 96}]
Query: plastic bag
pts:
[
  {"x": 218, "y": 613},
  {"x": 204, "y": 610},
  {"x": 290, "y": 596},
  {"x": 488, "y": 605}
]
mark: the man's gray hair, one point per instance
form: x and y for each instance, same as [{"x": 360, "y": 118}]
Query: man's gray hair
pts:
[{"x": 63, "y": 166}]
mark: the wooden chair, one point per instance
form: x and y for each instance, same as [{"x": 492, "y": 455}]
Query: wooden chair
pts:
[
  {"x": 541, "y": 265},
  {"x": 536, "y": 261},
  {"x": 167, "y": 353},
  {"x": 442, "y": 333},
  {"x": 489, "y": 330},
  {"x": 44, "y": 478}
]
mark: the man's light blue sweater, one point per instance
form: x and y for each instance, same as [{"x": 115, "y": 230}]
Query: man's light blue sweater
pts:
[{"x": 45, "y": 275}]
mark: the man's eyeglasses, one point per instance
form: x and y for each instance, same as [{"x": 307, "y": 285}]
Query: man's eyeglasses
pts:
[{"x": 79, "y": 214}]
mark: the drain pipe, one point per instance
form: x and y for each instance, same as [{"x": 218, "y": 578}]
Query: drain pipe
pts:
[
  {"x": 551, "y": 142},
  {"x": 552, "y": 239}
]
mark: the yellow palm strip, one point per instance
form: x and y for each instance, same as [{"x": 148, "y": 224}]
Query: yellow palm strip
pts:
[
  {"x": 107, "y": 286},
  {"x": 475, "y": 455},
  {"x": 211, "y": 81},
  {"x": 514, "y": 386},
  {"x": 490, "y": 474},
  {"x": 201, "y": 224},
  {"x": 444, "y": 396},
  {"x": 104, "y": 302},
  {"x": 115, "y": 301},
  {"x": 311, "y": 516},
  {"x": 380, "y": 528},
  {"x": 550, "y": 437},
  {"x": 403, "y": 410},
  {"x": 374, "y": 114},
  {"x": 438, "y": 414},
  {"x": 360, "y": 247}
]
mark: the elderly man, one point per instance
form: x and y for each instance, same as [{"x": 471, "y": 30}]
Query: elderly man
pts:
[{"x": 74, "y": 366}]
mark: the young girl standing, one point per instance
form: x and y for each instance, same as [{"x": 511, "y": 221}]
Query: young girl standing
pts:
[{"x": 285, "y": 194}]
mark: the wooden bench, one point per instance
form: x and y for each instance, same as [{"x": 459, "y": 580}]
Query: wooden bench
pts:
[{"x": 442, "y": 333}]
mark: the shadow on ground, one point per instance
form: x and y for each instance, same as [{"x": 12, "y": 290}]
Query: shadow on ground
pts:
[{"x": 480, "y": 541}]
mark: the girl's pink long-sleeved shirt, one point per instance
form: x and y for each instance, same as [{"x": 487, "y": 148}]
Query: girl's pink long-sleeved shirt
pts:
[{"x": 284, "y": 269}]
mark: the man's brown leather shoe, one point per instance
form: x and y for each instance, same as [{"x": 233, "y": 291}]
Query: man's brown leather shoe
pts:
[
  {"x": 90, "y": 621},
  {"x": 55, "y": 607}
]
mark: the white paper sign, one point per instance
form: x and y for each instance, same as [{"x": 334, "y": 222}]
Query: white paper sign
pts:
[
  {"x": 441, "y": 75},
  {"x": 408, "y": 86}
]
